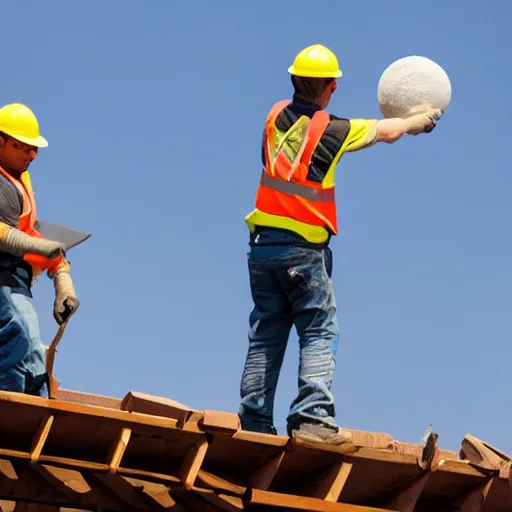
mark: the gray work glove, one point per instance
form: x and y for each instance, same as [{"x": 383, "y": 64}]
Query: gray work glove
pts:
[
  {"x": 18, "y": 243},
  {"x": 65, "y": 303},
  {"x": 423, "y": 122}
]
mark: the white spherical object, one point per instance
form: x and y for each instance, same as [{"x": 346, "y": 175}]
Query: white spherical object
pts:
[{"x": 413, "y": 82}]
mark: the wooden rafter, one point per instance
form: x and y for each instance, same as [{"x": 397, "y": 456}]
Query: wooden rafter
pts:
[
  {"x": 274, "y": 499},
  {"x": 265, "y": 474},
  {"x": 192, "y": 463},
  {"x": 330, "y": 484}
]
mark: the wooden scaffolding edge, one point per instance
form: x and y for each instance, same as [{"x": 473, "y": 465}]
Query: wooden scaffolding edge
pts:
[
  {"x": 57, "y": 406},
  {"x": 476, "y": 456}
]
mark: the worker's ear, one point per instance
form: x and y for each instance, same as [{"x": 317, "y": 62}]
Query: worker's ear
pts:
[{"x": 2, "y": 141}]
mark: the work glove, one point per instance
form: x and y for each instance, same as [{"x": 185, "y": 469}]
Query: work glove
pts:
[
  {"x": 18, "y": 243},
  {"x": 423, "y": 120},
  {"x": 65, "y": 303}
]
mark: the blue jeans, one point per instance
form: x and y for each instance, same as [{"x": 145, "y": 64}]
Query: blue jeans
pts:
[
  {"x": 22, "y": 353},
  {"x": 290, "y": 285}
]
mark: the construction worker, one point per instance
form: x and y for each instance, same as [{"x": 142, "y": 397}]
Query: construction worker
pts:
[
  {"x": 24, "y": 256},
  {"x": 289, "y": 260}
]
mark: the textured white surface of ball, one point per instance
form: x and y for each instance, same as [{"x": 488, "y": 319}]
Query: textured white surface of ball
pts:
[{"x": 413, "y": 82}]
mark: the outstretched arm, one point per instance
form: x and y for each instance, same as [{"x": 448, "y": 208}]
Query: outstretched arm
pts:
[
  {"x": 367, "y": 132},
  {"x": 390, "y": 130}
]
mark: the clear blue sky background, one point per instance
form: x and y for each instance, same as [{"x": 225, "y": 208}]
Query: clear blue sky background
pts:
[{"x": 154, "y": 112}]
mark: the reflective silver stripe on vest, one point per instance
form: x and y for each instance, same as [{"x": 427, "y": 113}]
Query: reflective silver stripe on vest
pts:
[{"x": 287, "y": 187}]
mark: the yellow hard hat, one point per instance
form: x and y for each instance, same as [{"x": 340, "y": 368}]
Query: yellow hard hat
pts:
[
  {"x": 18, "y": 121},
  {"x": 316, "y": 61}
]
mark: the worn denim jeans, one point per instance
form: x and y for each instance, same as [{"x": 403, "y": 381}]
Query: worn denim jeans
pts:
[
  {"x": 22, "y": 353},
  {"x": 290, "y": 285}
]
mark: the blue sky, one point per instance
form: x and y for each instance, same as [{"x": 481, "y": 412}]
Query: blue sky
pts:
[{"x": 154, "y": 116}]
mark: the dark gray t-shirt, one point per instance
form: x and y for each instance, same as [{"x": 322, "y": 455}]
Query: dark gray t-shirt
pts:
[
  {"x": 11, "y": 202},
  {"x": 11, "y": 207}
]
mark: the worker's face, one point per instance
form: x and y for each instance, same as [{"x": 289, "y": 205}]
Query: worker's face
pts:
[{"x": 16, "y": 156}]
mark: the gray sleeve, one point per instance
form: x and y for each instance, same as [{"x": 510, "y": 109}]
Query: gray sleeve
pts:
[{"x": 11, "y": 203}]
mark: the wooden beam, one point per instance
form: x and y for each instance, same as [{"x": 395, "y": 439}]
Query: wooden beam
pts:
[
  {"x": 121, "y": 491},
  {"x": 276, "y": 499},
  {"x": 220, "y": 500},
  {"x": 64, "y": 462},
  {"x": 70, "y": 478},
  {"x": 117, "y": 449},
  {"x": 151, "y": 476},
  {"x": 405, "y": 500},
  {"x": 52, "y": 480},
  {"x": 36, "y": 403},
  {"x": 7, "y": 506},
  {"x": 328, "y": 486},
  {"x": 219, "y": 484},
  {"x": 263, "y": 476},
  {"x": 192, "y": 464},
  {"x": 7, "y": 470},
  {"x": 35, "y": 485},
  {"x": 159, "y": 493},
  {"x": 191, "y": 424},
  {"x": 345, "y": 448},
  {"x": 475, "y": 500},
  {"x": 41, "y": 436},
  {"x": 151, "y": 405},
  {"x": 220, "y": 423},
  {"x": 68, "y": 395},
  {"x": 263, "y": 439}
]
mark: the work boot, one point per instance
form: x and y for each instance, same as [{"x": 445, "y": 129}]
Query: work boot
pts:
[{"x": 320, "y": 433}]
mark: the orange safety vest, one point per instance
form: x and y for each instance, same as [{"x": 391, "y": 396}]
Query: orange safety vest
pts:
[
  {"x": 26, "y": 223},
  {"x": 284, "y": 189}
]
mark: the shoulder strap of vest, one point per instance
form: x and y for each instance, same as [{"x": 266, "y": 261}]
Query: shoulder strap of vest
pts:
[
  {"x": 26, "y": 193},
  {"x": 276, "y": 109},
  {"x": 27, "y": 184},
  {"x": 317, "y": 126},
  {"x": 270, "y": 131}
]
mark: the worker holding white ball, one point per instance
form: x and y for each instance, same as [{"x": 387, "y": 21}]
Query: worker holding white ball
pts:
[{"x": 290, "y": 262}]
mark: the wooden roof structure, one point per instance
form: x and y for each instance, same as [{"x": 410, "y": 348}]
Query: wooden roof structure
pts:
[{"x": 144, "y": 453}]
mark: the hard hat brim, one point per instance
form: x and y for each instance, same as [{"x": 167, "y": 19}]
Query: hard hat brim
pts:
[
  {"x": 39, "y": 142},
  {"x": 315, "y": 74}
]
